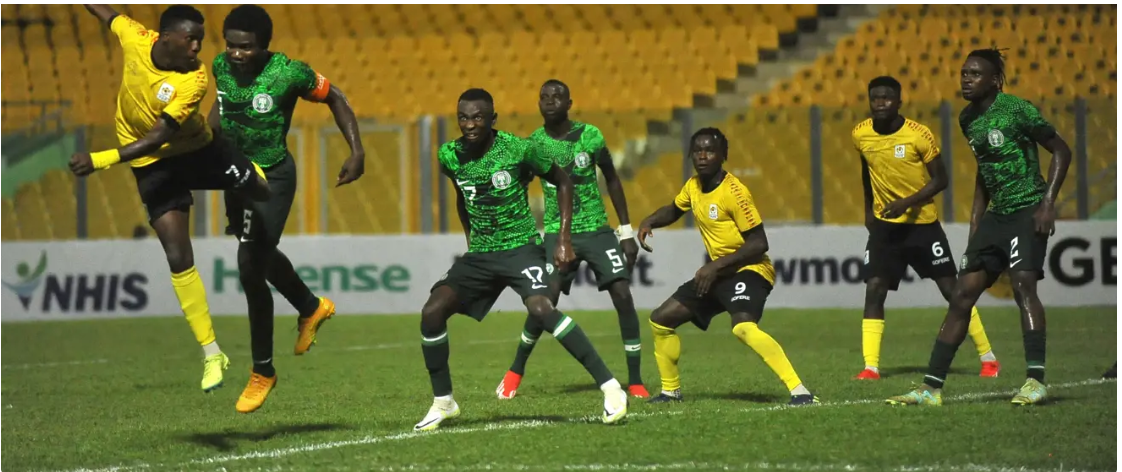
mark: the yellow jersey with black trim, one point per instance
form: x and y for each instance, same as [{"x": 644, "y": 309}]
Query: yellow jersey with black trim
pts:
[
  {"x": 721, "y": 216},
  {"x": 148, "y": 92},
  {"x": 898, "y": 167}
]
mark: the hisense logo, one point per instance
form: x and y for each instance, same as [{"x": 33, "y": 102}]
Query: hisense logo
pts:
[{"x": 29, "y": 280}]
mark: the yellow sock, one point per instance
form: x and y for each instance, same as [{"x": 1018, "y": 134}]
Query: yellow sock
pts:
[
  {"x": 769, "y": 351},
  {"x": 192, "y": 299},
  {"x": 871, "y": 332},
  {"x": 978, "y": 333},
  {"x": 667, "y": 348}
]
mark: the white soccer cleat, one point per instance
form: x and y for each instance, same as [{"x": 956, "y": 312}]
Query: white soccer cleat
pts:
[
  {"x": 440, "y": 411},
  {"x": 615, "y": 402}
]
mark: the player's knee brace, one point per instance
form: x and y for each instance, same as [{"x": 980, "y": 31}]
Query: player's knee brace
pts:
[{"x": 746, "y": 331}]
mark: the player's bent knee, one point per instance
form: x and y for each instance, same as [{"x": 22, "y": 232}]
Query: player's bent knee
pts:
[
  {"x": 179, "y": 258},
  {"x": 620, "y": 291},
  {"x": 1024, "y": 283},
  {"x": 538, "y": 306}
]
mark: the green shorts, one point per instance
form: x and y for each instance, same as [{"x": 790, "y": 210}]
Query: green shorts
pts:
[
  {"x": 480, "y": 277},
  {"x": 1006, "y": 243},
  {"x": 600, "y": 249},
  {"x": 263, "y": 222}
]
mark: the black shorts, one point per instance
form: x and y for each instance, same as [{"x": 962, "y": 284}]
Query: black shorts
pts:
[
  {"x": 480, "y": 277},
  {"x": 892, "y": 247},
  {"x": 600, "y": 249},
  {"x": 1006, "y": 243},
  {"x": 166, "y": 185},
  {"x": 744, "y": 292},
  {"x": 263, "y": 222}
]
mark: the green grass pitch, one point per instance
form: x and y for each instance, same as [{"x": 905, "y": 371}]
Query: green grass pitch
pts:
[{"x": 124, "y": 395}]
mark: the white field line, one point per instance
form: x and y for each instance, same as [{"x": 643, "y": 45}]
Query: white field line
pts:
[
  {"x": 807, "y": 467},
  {"x": 55, "y": 364},
  {"x": 315, "y": 447}
]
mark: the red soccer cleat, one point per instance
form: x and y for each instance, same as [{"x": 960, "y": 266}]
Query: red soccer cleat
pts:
[
  {"x": 990, "y": 369},
  {"x": 868, "y": 374},
  {"x": 638, "y": 391},
  {"x": 509, "y": 386}
]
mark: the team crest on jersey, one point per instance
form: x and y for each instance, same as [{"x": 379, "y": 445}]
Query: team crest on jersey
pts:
[
  {"x": 166, "y": 93},
  {"x": 900, "y": 151},
  {"x": 995, "y": 137},
  {"x": 713, "y": 211},
  {"x": 548, "y": 268},
  {"x": 962, "y": 266},
  {"x": 582, "y": 159},
  {"x": 262, "y": 103},
  {"x": 501, "y": 179}
]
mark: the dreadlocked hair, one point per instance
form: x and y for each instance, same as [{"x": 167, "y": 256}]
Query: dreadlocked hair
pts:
[
  {"x": 722, "y": 141},
  {"x": 995, "y": 57}
]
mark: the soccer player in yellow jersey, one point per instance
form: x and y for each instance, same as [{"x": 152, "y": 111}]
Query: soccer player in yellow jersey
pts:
[
  {"x": 167, "y": 142},
  {"x": 738, "y": 277},
  {"x": 902, "y": 172}
]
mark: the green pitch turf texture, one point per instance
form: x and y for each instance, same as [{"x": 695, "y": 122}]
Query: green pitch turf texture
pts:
[{"x": 124, "y": 395}]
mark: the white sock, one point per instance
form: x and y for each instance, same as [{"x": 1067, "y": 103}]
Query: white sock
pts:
[
  {"x": 211, "y": 349},
  {"x": 610, "y": 385},
  {"x": 800, "y": 390},
  {"x": 874, "y": 369},
  {"x": 989, "y": 357},
  {"x": 447, "y": 399},
  {"x": 675, "y": 394}
]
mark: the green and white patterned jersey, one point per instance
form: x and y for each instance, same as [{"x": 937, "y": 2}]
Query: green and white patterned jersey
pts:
[
  {"x": 495, "y": 191},
  {"x": 1004, "y": 139},
  {"x": 256, "y": 117},
  {"x": 577, "y": 153}
]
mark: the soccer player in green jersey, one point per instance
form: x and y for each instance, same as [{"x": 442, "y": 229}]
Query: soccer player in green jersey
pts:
[
  {"x": 257, "y": 93},
  {"x": 491, "y": 171},
  {"x": 1013, "y": 215},
  {"x": 579, "y": 148}
]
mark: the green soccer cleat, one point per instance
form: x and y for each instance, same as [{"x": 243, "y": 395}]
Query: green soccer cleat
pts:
[
  {"x": 1032, "y": 393},
  {"x": 213, "y": 366},
  {"x": 923, "y": 395}
]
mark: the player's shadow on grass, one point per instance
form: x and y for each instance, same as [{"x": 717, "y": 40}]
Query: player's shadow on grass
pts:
[
  {"x": 751, "y": 397},
  {"x": 921, "y": 370},
  {"x": 225, "y": 441}
]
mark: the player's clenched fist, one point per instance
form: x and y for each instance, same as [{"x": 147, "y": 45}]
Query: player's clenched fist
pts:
[
  {"x": 81, "y": 164},
  {"x": 564, "y": 254}
]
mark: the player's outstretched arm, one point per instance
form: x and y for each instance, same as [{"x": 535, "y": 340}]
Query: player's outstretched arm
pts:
[
  {"x": 82, "y": 164},
  {"x": 1057, "y": 171},
  {"x": 619, "y": 201},
  {"x": 560, "y": 179},
  {"x": 981, "y": 201},
  {"x": 662, "y": 217},
  {"x": 936, "y": 184},
  {"x": 345, "y": 119},
  {"x": 104, "y": 13}
]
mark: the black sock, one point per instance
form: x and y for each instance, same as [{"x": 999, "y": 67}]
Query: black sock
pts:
[
  {"x": 1034, "y": 354},
  {"x": 566, "y": 331},
  {"x": 434, "y": 346},
  {"x": 531, "y": 332},
  {"x": 632, "y": 344},
  {"x": 283, "y": 276},
  {"x": 252, "y": 263},
  {"x": 941, "y": 357}
]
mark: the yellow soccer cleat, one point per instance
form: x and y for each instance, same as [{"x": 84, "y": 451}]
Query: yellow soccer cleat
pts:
[
  {"x": 255, "y": 393},
  {"x": 213, "y": 366},
  {"x": 308, "y": 327},
  {"x": 1032, "y": 393},
  {"x": 922, "y": 396}
]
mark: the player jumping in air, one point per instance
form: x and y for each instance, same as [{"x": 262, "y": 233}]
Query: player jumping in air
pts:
[
  {"x": 579, "y": 149},
  {"x": 902, "y": 172},
  {"x": 257, "y": 93},
  {"x": 491, "y": 170},
  {"x": 172, "y": 151},
  {"x": 1012, "y": 217},
  {"x": 737, "y": 279}
]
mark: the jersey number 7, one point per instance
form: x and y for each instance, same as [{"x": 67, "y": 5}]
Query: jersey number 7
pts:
[{"x": 469, "y": 190}]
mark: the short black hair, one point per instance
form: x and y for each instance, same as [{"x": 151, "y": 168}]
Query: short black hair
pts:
[
  {"x": 995, "y": 57},
  {"x": 557, "y": 82},
  {"x": 251, "y": 19},
  {"x": 475, "y": 94},
  {"x": 886, "y": 81},
  {"x": 722, "y": 141},
  {"x": 177, "y": 13}
]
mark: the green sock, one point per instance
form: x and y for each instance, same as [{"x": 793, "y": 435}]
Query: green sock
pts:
[
  {"x": 531, "y": 332},
  {"x": 941, "y": 357},
  {"x": 1034, "y": 354},
  {"x": 435, "y": 350},
  {"x": 632, "y": 346},
  {"x": 574, "y": 340}
]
